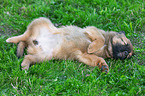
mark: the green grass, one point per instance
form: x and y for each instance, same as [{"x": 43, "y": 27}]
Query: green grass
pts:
[{"x": 60, "y": 77}]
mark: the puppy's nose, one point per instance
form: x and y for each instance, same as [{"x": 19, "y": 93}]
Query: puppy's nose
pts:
[{"x": 125, "y": 53}]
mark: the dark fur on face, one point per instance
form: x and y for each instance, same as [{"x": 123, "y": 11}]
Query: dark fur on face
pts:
[{"x": 121, "y": 51}]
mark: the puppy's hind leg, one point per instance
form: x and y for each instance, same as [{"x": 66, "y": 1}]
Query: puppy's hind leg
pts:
[
  {"x": 32, "y": 59},
  {"x": 17, "y": 39}
]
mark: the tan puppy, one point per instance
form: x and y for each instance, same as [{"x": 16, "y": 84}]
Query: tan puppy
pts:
[{"x": 88, "y": 45}]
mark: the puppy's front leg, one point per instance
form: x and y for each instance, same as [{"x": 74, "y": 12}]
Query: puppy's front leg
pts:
[{"x": 94, "y": 60}]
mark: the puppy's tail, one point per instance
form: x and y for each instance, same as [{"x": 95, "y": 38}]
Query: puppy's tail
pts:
[
  {"x": 20, "y": 48},
  {"x": 33, "y": 29}
]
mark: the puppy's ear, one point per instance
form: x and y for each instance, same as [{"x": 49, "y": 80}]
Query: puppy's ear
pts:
[
  {"x": 122, "y": 32},
  {"x": 96, "y": 45},
  {"x": 96, "y": 37}
]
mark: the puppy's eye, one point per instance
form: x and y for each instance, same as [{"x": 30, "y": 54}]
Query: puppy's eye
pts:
[
  {"x": 122, "y": 40},
  {"x": 127, "y": 45}
]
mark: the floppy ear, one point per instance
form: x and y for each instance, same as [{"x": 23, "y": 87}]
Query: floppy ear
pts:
[
  {"x": 97, "y": 38},
  {"x": 96, "y": 45}
]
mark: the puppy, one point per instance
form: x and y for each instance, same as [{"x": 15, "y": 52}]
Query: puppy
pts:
[{"x": 88, "y": 45}]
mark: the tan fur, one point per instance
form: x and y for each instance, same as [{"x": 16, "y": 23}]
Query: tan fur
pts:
[
  {"x": 20, "y": 48},
  {"x": 88, "y": 45}
]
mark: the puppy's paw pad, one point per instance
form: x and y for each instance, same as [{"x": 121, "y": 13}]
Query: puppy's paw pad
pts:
[{"x": 105, "y": 68}]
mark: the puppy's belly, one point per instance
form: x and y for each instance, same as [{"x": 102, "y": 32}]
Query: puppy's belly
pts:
[
  {"x": 53, "y": 45},
  {"x": 48, "y": 42}
]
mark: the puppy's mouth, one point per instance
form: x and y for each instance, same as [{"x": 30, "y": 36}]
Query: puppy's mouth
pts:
[
  {"x": 121, "y": 51},
  {"x": 121, "y": 55}
]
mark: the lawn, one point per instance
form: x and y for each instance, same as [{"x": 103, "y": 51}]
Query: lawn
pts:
[{"x": 65, "y": 77}]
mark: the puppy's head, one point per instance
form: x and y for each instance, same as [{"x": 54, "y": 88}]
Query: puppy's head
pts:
[{"x": 121, "y": 46}]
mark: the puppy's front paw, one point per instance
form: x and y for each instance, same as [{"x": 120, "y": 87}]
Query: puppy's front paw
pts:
[{"x": 103, "y": 66}]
